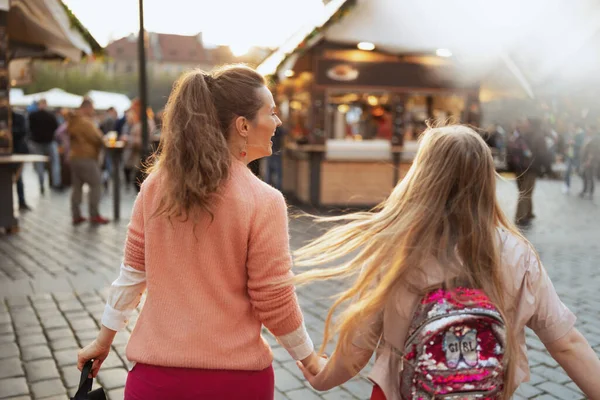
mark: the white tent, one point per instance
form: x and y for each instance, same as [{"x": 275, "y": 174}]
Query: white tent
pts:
[
  {"x": 105, "y": 100},
  {"x": 56, "y": 98}
]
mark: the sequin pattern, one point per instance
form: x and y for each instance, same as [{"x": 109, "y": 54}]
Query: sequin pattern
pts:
[{"x": 455, "y": 347}]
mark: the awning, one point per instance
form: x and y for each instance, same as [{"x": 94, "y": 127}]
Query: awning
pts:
[{"x": 46, "y": 29}]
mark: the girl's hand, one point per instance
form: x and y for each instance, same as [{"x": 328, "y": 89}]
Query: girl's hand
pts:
[
  {"x": 312, "y": 374},
  {"x": 93, "y": 351},
  {"x": 313, "y": 363}
]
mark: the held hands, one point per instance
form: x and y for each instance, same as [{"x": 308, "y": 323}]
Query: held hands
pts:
[{"x": 311, "y": 368}]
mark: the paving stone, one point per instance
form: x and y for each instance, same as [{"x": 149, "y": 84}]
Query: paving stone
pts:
[
  {"x": 553, "y": 375},
  {"x": 338, "y": 394},
  {"x": 6, "y": 328},
  {"x": 285, "y": 381},
  {"x": 293, "y": 369},
  {"x": 38, "y": 352},
  {"x": 70, "y": 376},
  {"x": 75, "y": 315},
  {"x": 302, "y": 394},
  {"x": 112, "y": 361},
  {"x": 83, "y": 324},
  {"x": 280, "y": 354},
  {"x": 28, "y": 330},
  {"x": 25, "y": 320},
  {"x": 65, "y": 357},
  {"x": 116, "y": 394},
  {"x": 44, "y": 389},
  {"x": 574, "y": 387},
  {"x": 17, "y": 301},
  {"x": 112, "y": 378},
  {"x": 60, "y": 333},
  {"x": 359, "y": 387},
  {"x": 65, "y": 343},
  {"x": 31, "y": 340},
  {"x": 7, "y": 338},
  {"x": 11, "y": 367},
  {"x": 8, "y": 350},
  {"x": 45, "y": 306},
  {"x": 41, "y": 370},
  {"x": 122, "y": 338},
  {"x": 560, "y": 391},
  {"x": 54, "y": 321},
  {"x": 86, "y": 336},
  {"x": 526, "y": 390},
  {"x": 74, "y": 305},
  {"x": 546, "y": 397},
  {"x": 13, "y": 387}
]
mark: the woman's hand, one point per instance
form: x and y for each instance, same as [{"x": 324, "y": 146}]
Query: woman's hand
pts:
[
  {"x": 97, "y": 350},
  {"x": 93, "y": 351},
  {"x": 311, "y": 371},
  {"x": 314, "y": 363}
]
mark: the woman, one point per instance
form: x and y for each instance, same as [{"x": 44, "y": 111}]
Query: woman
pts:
[
  {"x": 442, "y": 229},
  {"x": 208, "y": 240},
  {"x": 133, "y": 138}
]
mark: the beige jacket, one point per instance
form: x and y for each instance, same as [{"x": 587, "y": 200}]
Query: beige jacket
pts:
[{"x": 532, "y": 299}]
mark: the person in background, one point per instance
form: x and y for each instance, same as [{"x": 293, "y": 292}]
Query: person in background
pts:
[
  {"x": 274, "y": 173},
  {"x": 134, "y": 142},
  {"x": 526, "y": 156},
  {"x": 209, "y": 241},
  {"x": 62, "y": 138},
  {"x": 86, "y": 142},
  {"x": 43, "y": 125},
  {"x": 590, "y": 159},
  {"x": 110, "y": 121},
  {"x": 20, "y": 133},
  {"x": 573, "y": 143},
  {"x": 108, "y": 124}
]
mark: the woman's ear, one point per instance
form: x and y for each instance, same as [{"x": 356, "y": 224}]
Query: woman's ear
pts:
[{"x": 242, "y": 126}]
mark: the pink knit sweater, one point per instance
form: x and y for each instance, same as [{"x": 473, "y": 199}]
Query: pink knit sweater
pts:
[{"x": 208, "y": 291}]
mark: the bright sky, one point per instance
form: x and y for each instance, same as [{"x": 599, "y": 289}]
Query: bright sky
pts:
[{"x": 238, "y": 23}]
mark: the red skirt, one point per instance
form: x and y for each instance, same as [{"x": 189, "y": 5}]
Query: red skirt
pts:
[
  {"x": 377, "y": 393},
  {"x": 149, "y": 382}
]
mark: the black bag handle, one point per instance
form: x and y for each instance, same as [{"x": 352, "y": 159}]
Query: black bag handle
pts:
[{"x": 85, "y": 385}]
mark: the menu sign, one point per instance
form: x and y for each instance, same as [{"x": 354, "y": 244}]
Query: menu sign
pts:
[{"x": 5, "y": 123}]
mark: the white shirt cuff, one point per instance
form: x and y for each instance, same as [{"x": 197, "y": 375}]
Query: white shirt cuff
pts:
[
  {"x": 115, "y": 319},
  {"x": 297, "y": 343}
]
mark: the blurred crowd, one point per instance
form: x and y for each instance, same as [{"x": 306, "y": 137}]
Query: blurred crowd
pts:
[{"x": 74, "y": 141}]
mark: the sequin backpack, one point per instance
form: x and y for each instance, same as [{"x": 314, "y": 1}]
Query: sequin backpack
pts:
[{"x": 454, "y": 348}]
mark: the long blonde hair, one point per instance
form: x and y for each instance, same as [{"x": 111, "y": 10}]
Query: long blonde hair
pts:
[
  {"x": 445, "y": 207},
  {"x": 193, "y": 153}
]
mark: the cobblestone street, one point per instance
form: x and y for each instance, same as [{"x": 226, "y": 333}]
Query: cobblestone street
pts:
[{"x": 53, "y": 280}]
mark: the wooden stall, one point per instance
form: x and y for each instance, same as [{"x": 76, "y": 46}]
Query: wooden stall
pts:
[{"x": 353, "y": 113}]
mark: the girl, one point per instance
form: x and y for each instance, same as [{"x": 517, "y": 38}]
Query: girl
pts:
[
  {"x": 440, "y": 228},
  {"x": 207, "y": 239}
]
